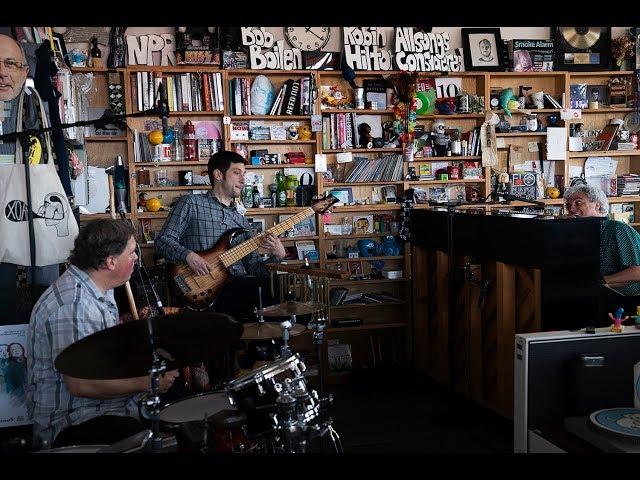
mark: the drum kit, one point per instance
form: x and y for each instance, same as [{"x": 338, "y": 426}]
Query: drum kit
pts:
[{"x": 268, "y": 410}]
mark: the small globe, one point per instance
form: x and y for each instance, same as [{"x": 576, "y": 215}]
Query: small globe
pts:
[
  {"x": 155, "y": 137},
  {"x": 153, "y": 204}
]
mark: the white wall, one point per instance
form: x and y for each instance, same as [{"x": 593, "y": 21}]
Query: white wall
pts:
[{"x": 335, "y": 42}]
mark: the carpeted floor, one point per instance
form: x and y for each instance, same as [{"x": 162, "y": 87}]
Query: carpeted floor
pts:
[{"x": 415, "y": 416}]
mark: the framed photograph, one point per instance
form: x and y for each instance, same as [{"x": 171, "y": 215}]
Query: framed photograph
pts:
[
  {"x": 598, "y": 93},
  {"x": 482, "y": 49},
  {"x": 304, "y": 228},
  {"x": 256, "y": 225},
  {"x": 344, "y": 195},
  {"x": 355, "y": 267}
]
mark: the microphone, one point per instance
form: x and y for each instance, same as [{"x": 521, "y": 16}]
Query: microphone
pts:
[
  {"x": 120, "y": 186},
  {"x": 163, "y": 107}
]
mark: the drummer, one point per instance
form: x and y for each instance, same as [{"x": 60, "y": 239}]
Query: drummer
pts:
[{"x": 73, "y": 411}]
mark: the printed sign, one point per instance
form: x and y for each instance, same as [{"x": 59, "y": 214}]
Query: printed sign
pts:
[
  {"x": 13, "y": 376},
  {"x": 425, "y": 52}
]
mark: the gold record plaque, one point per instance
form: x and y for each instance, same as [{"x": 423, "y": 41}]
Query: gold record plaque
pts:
[
  {"x": 582, "y": 48},
  {"x": 581, "y": 37}
]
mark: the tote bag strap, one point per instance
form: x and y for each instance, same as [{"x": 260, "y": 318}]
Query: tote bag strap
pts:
[{"x": 43, "y": 120}]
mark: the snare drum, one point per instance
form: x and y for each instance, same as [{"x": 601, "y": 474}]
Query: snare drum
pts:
[
  {"x": 197, "y": 407},
  {"x": 256, "y": 393}
]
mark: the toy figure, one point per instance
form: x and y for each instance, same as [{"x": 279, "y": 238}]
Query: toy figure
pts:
[
  {"x": 617, "y": 320},
  {"x": 508, "y": 101},
  {"x": 142, "y": 201},
  {"x": 292, "y": 132}
]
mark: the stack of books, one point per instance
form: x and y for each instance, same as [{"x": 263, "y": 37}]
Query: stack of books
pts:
[{"x": 629, "y": 184}]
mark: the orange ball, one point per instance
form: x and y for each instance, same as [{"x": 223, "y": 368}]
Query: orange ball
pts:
[
  {"x": 155, "y": 137},
  {"x": 153, "y": 204}
]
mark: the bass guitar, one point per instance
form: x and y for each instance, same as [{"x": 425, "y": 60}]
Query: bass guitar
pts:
[{"x": 199, "y": 292}]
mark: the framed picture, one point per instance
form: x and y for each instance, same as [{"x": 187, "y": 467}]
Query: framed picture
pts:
[
  {"x": 256, "y": 225},
  {"x": 355, "y": 267},
  {"x": 344, "y": 195},
  {"x": 598, "y": 93},
  {"x": 482, "y": 49}
]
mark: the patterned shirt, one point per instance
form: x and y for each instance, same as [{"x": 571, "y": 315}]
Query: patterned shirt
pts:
[
  {"x": 70, "y": 309},
  {"x": 619, "y": 249},
  {"x": 196, "y": 223}
]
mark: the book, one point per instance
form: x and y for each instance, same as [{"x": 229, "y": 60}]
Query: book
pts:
[
  {"x": 306, "y": 248},
  {"x": 375, "y": 92},
  {"x": 339, "y": 357},
  {"x": 607, "y": 135},
  {"x": 578, "y": 95},
  {"x": 531, "y": 55}
]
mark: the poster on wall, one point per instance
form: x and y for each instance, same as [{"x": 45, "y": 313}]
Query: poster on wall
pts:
[
  {"x": 417, "y": 51},
  {"x": 13, "y": 375},
  {"x": 266, "y": 53},
  {"x": 364, "y": 49}
]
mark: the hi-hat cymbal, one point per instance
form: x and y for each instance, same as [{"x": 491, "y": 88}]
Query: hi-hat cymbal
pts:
[
  {"x": 123, "y": 351},
  {"x": 268, "y": 330},
  {"x": 291, "y": 308}
]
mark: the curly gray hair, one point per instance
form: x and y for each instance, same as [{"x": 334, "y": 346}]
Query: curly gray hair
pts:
[{"x": 593, "y": 193}]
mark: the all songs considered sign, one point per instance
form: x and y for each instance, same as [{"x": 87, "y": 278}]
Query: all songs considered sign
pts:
[
  {"x": 425, "y": 52},
  {"x": 13, "y": 375}
]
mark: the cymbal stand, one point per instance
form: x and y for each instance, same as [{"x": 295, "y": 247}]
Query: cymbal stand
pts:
[
  {"x": 285, "y": 351},
  {"x": 150, "y": 407}
]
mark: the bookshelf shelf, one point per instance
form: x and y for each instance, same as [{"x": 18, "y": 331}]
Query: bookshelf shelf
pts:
[
  {"x": 360, "y": 184},
  {"x": 270, "y": 117},
  {"x": 357, "y": 110},
  {"x": 364, "y": 150},
  {"x": 152, "y": 214},
  {"x": 444, "y": 182},
  {"x": 85, "y": 217},
  {"x": 342, "y": 260},
  {"x": 521, "y": 134},
  {"x": 612, "y": 73},
  {"x": 275, "y": 142},
  {"x": 170, "y": 164},
  {"x": 527, "y": 111},
  {"x": 274, "y": 211},
  {"x": 200, "y": 113},
  {"x": 278, "y": 166},
  {"x": 105, "y": 139},
  {"x": 295, "y": 239},
  {"x": 605, "y": 153},
  {"x": 366, "y": 208},
  {"x": 606, "y": 109},
  {"x": 457, "y": 116},
  {"x": 355, "y": 236},
  {"x": 452, "y": 158},
  {"x": 171, "y": 189}
]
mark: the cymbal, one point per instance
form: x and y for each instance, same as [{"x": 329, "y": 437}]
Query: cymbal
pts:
[
  {"x": 268, "y": 330},
  {"x": 123, "y": 351},
  {"x": 291, "y": 308}
]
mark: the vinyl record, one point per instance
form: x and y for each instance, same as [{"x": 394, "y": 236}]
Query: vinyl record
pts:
[
  {"x": 621, "y": 422},
  {"x": 425, "y": 102},
  {"x": 581, "y": 37}
]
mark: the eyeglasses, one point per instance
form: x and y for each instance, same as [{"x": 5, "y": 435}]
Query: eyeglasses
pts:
[{"x": 12, "y": 64}]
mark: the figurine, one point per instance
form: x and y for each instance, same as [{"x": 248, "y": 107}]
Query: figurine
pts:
[
  {"x": 508, "y": 101},
  {"x": 442, "y": 140},
  {"x": 142, "y": 201},
  {"x": 617, "y": 320},
  {"x": 304, "y": 132},
  {"x": 292, "y": 132},
  {"x": 96, "y": 54}
]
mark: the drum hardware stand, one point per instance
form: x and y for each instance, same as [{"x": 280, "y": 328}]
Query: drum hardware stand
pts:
[{"x": 285, "y": 351}]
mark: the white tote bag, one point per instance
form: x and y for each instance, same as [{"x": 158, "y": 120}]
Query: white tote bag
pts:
[{"x": 55, "y": 227}]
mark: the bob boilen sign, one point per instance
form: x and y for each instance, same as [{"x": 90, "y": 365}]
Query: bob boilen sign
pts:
[
  {"x": 260, "y": 41},
  {"x": 425, "y": 52}
]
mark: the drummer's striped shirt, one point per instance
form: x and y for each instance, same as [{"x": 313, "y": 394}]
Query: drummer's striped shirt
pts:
[{"x": 70, "y": 309}]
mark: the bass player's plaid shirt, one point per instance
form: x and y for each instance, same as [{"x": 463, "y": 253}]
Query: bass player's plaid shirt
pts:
[{"x": 196, "y": 223}]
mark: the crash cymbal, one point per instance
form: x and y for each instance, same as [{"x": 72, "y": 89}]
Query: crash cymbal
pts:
[
  {"x": 123, "y": 351},
  {"x": 291, "y": 308},
  {"x": 268, "y": 330}
]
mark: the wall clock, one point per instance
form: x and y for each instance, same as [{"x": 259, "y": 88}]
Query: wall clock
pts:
[{"x": 308, "y": 39}]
